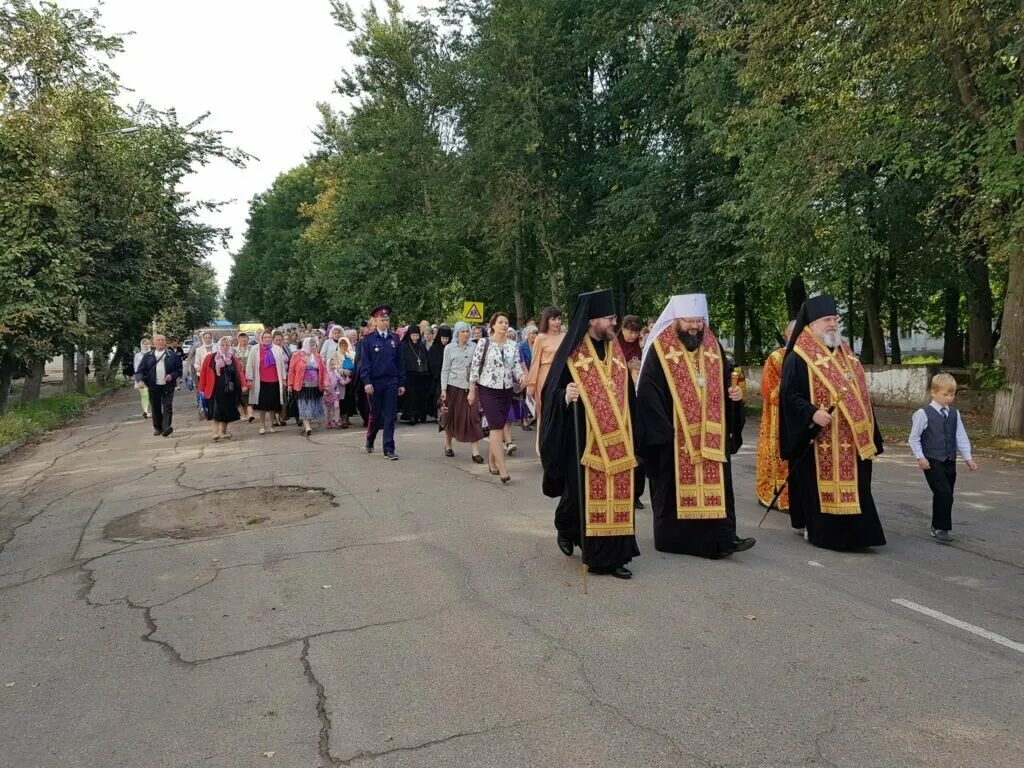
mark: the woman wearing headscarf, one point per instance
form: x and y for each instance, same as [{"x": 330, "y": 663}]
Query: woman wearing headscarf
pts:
[
  {"x": 195, "y": 360},
  {"x": 463, "y": 423},
  {"x": 418, "y": 385},
  {"x": 267, "y": 376},
  {"x": 543, "y": 354},
  {"x": 435, "y": 362},
  {"x": 518, "y": 412},
  {"x": 329, "y": 348},
  {"x": 351, "y": 404},
  {"x": 529, "y": 335},
  {"x": 288, "y": 408},
  {"x": 307, "y": 380},
  {"x": 493, "y": 375},
  {"x": 144, "y": 346},
  {"x": 222, "y": 382}
]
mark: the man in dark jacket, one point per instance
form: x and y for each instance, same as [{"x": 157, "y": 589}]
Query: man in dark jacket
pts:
[{"x": 159, "y": 371}]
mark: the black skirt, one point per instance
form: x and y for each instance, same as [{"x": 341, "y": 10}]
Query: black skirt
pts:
[{"x": 270, "y": 396}]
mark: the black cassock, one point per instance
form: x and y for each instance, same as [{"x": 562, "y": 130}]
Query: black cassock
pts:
[
  {"x": 827, "y": 531},
  {"x": 561, "y": 463},
  {"x": 656, "y": 437}
]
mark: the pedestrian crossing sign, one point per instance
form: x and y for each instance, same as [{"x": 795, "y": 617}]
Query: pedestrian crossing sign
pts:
[{"x": 473, "y": 312}]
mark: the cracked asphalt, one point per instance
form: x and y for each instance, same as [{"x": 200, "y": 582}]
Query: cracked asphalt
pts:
[{"x": 455, "y": 634}]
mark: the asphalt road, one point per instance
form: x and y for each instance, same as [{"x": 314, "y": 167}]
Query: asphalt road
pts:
[{"x": 428, "y": 620}]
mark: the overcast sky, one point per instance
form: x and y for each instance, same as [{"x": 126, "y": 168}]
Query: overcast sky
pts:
[{"x": 260, "y": 67}]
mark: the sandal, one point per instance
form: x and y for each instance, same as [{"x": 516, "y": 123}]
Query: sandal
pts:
[
  {"x": 227, "y": 436},
  {"x": 263, "y": 431},
  {"x": 478, "y": 459},
  {"x": 492, "y": 470},
  {"x": 449, "y": 453},
  {"x": 216, "y": 437},
  {"x": 272, "y": 430},
  {"x": 505, "y": 479}
]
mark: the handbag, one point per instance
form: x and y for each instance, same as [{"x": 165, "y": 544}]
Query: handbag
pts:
[{"x": 443, "y": 415}]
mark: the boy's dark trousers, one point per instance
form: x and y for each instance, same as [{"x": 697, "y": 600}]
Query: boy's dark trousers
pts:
[{"x": 941, "y": 479}]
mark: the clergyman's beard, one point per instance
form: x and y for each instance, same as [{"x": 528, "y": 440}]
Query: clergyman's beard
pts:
[
  {"x": 830, "y": 339},
  {"x": 691, "y": 339}
]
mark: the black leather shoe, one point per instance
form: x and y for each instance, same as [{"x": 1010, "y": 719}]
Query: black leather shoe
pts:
[
  {"x": 368, "y": 448},
  {"x": 566, "y": 545},
  {"x": 618, "y": 572},
  {"x": 157, "y": 432},
  {"x": 638, "y": 504},
  {"x": 390, "y": 456},
  {"x": 167, "y": 431},
  {"x": 742, "y": 545}
]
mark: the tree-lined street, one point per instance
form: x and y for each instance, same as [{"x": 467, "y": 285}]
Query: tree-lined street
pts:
[{"x": 426, "y": 618}]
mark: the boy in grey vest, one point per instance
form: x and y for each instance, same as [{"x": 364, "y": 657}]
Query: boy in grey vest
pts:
[{"x": 937, "y": 435}]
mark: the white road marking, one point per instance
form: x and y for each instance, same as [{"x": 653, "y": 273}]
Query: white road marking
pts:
[
  {"x": 979, "y": 631},
  {"x": 815, "y": 563}
]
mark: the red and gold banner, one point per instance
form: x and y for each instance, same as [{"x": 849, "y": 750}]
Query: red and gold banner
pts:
[
  {"x": 608, "y": 458},
  {"x": 772, "y": 469},
  {"x": 698, "y": 398},
  {"x": 838, "y": 377}
]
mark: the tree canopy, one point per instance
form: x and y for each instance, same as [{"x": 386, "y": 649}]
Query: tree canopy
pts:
[{"x": 97, "y": 237}]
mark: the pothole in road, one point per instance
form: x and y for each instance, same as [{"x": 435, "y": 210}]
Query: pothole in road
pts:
[{"x": 223, "y": 511}]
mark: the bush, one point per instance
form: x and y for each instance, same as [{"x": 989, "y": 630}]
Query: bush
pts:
[
  {"x": 32, "y": 419},
  {"x": 989, "y": 376}
]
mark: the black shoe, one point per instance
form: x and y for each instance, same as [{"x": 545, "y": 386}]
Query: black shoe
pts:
[
  {"x": 157, "y": 432},
  {"x": 742, "y": 545},
  {"x": 368, "y": 448},
  {"x": 478, "y": 459},
  {"x": 565, "y": 544},
  {"x": 638, "y": 504},
  {"x": 167, "y": 431},
  {"x": 619, "y": 572},
  {"x": 449, "y": 453},
  {"x": 390, "y": 456}
]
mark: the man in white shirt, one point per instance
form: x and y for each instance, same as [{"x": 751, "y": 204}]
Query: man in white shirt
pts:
[
  {"x": 936, "y": 437},
  {"x": 159, "y": 371}
]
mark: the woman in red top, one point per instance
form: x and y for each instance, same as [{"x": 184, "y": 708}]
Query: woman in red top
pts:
[
  {"x": 222, "y": 381},
  {"x": 307, "y": 380}
]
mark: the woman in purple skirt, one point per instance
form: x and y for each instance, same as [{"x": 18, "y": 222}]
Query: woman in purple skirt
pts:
[{"x": 496, "y": 370}]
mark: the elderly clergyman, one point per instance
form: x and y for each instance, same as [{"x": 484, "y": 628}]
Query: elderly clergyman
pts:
[
  {"x": 828, "y": 433},
  {"x": 689, "y": 422}
]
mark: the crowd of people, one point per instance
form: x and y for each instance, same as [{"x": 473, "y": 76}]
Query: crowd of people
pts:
[{"x": 615, "y": 405}]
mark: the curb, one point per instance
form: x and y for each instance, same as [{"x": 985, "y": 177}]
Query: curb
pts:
[{"x": 9, "y": 448}]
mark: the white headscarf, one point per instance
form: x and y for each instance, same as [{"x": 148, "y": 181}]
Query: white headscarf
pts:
[{"x": 685, "y": 305}]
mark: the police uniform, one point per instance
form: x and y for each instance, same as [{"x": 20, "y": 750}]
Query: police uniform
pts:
[{"x": 381, "y": 365}]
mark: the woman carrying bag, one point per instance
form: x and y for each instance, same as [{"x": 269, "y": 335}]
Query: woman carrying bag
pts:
[{"x": 495, "y": 372}]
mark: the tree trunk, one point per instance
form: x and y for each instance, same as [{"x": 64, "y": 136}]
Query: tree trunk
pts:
[
  {"x": 796, "y": 295},
  {"x": 103, "y": 372},
  {"x": 82, "y": 363},
  {"x": 517, "y": 278},
  {"x": 756, "y": 341},
  {"x": 33, "y": 381},
  {"x": 867, "y": 347},
  {"x": 851, "y": 328},
  {"x": 952, "y": 341},
  {"x": 68, "y": 372},
  {"x": 873, "y": 322},
  {"x": 739, "y": 348},
  {"x": 979, "y": 310},
  {"x": 894, "y": 334},
  {"x": 6, "y": 375},
  {"x": 1008, "y": 415}
]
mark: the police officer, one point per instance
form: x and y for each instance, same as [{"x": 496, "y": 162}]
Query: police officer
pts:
[{"x": 382, "y": 373}]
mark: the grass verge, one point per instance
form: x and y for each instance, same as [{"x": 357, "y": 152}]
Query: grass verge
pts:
[{"x": 28, "y": 420}]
